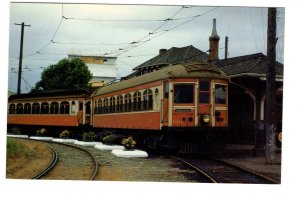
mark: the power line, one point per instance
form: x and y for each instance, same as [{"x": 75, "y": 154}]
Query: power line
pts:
[
  {"x": 62, "y": 17},
  {"x": 177, "y": 26},
  {"x": 253, "y": 32}
]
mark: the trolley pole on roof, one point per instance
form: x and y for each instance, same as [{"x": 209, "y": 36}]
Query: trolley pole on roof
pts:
[
  {"x": 271, "y": 90},
  {"x": 21, "y": 56}
]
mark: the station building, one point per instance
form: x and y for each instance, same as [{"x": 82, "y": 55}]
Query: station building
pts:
[{"x": 103, "y": 68}]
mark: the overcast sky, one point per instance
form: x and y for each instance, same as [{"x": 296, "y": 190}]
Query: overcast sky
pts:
[{"x": 59, "y": 29}]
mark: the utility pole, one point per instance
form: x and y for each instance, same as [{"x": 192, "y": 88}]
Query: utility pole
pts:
[
  {"x": 271, "y": 90},
  {"x": 21, "y": 56},
  {"x": 226, "y": 47}
]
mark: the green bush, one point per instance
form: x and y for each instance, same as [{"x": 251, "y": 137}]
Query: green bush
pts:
[
  {"x": 15, "y": 131},
  {"x": 65, "y": 134},
  {"x": 41, "y": 132},
  {"x": 129, "y": 143},
  {"x": 110, "y": 139},
  {"x": 88, "y": 136}
]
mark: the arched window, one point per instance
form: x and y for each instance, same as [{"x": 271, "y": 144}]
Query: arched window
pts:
[
  {"x": 45, "y": 108},
  {"x": 112, "y": 104},
  {"x": 73, "y": 107},
  {"x": 120, "y": 103},
  {"x": 27, "y": 108},
  {"x": 64, "y": 107},
  {"x": 148, "y": 99},
  {"x": 12, "y": 109},
  {"x": 105, "y": 104},
  {"x": 95, "y": 107},
  {"x": 19, "y": 108},
  {"x": 156, "y": 97},
  {"x": 54, "y": 107},
  {"x": 128, "y": 101},
  {"x": 36, "y": 108},
  {"x": 100, "y": 107},
  {"x": 137, "y": 101}
]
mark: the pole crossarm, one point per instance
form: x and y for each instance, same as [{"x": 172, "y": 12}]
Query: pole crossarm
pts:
[{"x": 21, "y": 55}]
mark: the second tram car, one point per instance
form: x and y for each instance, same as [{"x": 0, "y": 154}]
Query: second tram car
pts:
[{"x": 56, "y": 108}]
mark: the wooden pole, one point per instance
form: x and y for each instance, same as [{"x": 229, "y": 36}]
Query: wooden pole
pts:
[{"x": 271, "y": 90}]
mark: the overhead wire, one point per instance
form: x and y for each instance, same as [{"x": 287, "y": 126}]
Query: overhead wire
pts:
[
  {"x": 253, "y": 32},
  {"x": 177, "y": 26}
]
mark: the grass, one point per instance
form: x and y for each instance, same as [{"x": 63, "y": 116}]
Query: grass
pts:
[{"x": 14, "y": 149}]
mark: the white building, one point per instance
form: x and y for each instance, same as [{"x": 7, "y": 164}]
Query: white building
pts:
[{"x": 104, "y": 69}]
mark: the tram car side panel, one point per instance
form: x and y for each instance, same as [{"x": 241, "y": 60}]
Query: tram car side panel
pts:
[
  {"x": 136, "y": 107},
  {"x": 49, "y": 110}
]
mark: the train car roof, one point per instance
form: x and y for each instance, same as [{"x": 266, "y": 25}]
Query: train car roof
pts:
[
  {"x": 52, "y": 93},
  {"x": 186, "y": 70}
]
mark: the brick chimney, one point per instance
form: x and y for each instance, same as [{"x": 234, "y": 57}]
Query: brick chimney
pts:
[
  {"x": 162, "y": 51},
  {"x": 214, "y": 43}
]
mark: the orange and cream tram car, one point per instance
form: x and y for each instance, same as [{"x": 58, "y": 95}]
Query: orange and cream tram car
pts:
[
  {"x": 49, "y": 109},
  {"x": 181, "y": 102}
]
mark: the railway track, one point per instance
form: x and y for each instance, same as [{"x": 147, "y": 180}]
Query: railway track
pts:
[
  {"x": 72, "y": 165},
  {"x": 217, "y": 171}
]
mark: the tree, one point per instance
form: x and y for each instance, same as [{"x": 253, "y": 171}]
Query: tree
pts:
[{"x": 66, "y": 74}]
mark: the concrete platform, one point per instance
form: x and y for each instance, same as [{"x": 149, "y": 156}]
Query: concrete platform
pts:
[
  {"x": 129, "y": 154},
  {"x": 64, "y": 140},
  {"x": 108, "y": 147},
  {"x": 17, "y": 136},
  {"x": 87, "y": 144},
  {"x": 41, "y": 138}
]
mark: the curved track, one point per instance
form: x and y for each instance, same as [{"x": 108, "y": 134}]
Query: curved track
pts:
[
  {"x": 73, "y": 159},
  {"x": 217, "y": 171},
  {"x": 49, "y": 167}
]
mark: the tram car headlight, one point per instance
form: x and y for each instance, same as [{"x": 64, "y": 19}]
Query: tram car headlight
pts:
[{"x": 205, "y": 118}]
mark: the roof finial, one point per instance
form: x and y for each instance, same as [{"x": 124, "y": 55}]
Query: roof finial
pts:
[{"x": 214, "y": 30}]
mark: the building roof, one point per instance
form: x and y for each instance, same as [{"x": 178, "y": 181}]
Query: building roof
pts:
[
  {"x": 176, "y": 55},
  {"x": 248, "y": 65}
]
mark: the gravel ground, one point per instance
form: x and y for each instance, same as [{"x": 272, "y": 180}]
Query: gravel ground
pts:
[{"x": 151, "y": 169}]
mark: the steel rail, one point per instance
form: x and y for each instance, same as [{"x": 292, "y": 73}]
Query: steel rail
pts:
[
  {"x": 197, "y": 169},
  {"x": 96, "y": 165},
  {"x": 263, "y": 177},
  {"x": 50, "y": 166}
]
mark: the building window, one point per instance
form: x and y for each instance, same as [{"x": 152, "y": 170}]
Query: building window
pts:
[{"x": 183, "y": 93}]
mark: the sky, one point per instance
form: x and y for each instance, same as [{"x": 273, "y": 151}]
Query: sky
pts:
[
  {"x": 132, "y": 33},
  {"x": 246, "y": 29}
]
